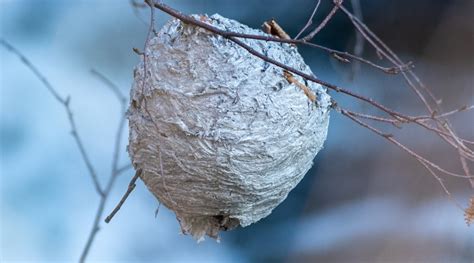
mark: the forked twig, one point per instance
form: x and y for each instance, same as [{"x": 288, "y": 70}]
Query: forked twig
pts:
[
  {"x": 310, "y": 20},
  {"x": 323, "y": 23},
  {"x": 115, "y": 170},
  {"x": 65, "y": 102}
]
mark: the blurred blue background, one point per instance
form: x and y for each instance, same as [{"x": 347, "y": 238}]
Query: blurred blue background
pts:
[{"x": 363, "y": 201}]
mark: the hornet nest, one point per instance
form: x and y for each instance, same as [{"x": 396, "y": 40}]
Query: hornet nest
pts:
[{"x": 220, "y": 135}]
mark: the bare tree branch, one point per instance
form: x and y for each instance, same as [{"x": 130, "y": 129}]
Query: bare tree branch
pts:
[
  {"x": 414, "y": 82},
  {"x": 232, "y": 36},
  {"x": 103, "y": 193}
]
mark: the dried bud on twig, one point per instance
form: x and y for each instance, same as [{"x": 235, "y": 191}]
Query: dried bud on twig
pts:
[
  {"x": 469, "y": 212},
  {"x": 271, "y": 27}
]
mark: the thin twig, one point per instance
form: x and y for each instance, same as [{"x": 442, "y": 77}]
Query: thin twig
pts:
[
  {"x": 323, "y": 23},
  {"x": 131, "y": 186},
  {"x": 66, "y": 104},
  {"x": 124, "y": 168},
  {"x": 414, "y": 120},
  {"x": 136, "y": 6},
  {"x": 115, "y": 89},
  {"x": 310, "y": 19},
  {"x": 446, "y": 114},
  {"x": 394, "y": 122},
  {"x": 359, "y": 39}
]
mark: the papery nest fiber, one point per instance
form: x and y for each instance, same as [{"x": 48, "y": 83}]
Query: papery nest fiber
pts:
[{"x": 222, "y": 136}]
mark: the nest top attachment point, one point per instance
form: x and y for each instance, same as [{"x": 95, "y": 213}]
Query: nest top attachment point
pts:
[{"x": 220, "y": 135}]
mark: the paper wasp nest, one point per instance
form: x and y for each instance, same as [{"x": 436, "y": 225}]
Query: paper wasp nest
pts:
[{"x": 221, "y": 136}]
